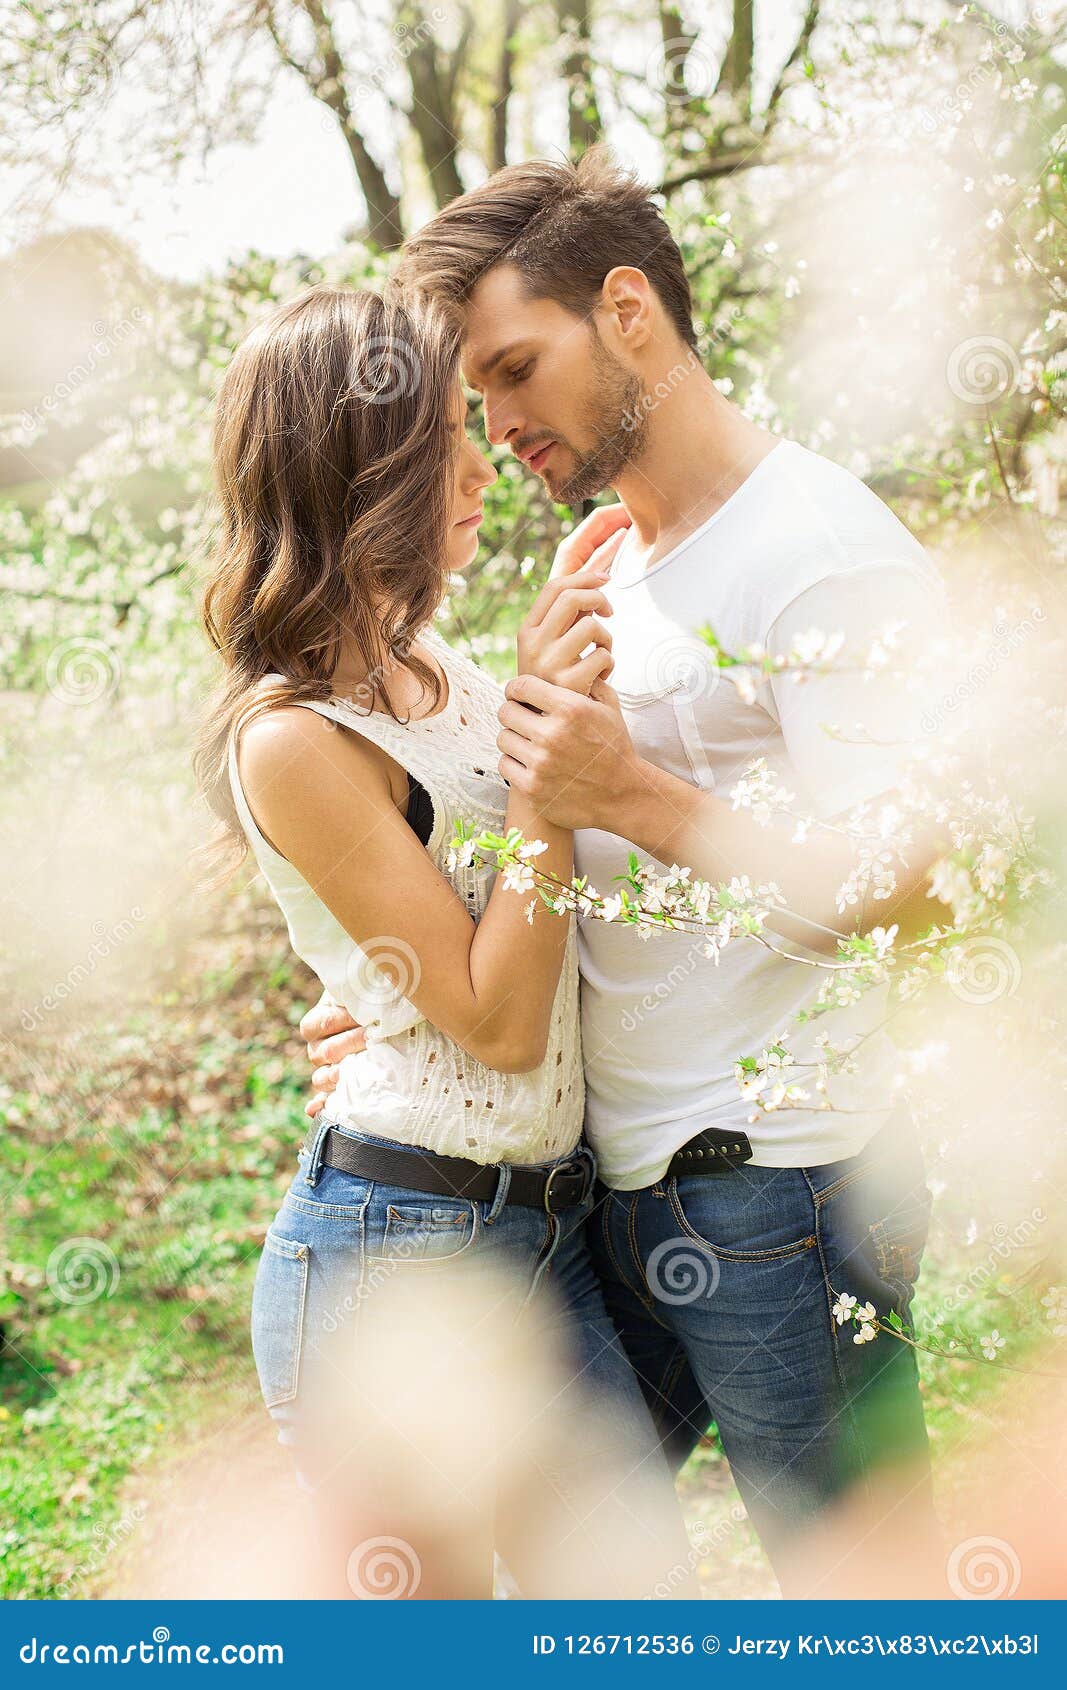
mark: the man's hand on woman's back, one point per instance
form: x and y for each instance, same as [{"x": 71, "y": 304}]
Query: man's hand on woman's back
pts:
[{"x": 330, "y": 1035}]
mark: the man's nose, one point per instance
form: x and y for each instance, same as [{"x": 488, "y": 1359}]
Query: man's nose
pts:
[{"x": 501, "y": 424}]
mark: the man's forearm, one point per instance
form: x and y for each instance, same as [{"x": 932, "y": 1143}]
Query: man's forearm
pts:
[{"x": 678, "y": 823}]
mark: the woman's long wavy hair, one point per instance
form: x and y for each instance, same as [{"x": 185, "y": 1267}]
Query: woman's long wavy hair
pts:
[{"x": 334, "y": 447}]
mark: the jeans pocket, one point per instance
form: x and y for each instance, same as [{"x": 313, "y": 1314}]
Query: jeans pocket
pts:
[
  {"x": 278, "y": 1311},
  {"x": 425, "y": 1231},
  {"x": 743, "y": 1223},
  {"x": 896, "y": 1243}
]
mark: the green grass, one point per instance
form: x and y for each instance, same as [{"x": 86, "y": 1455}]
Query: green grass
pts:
[{"x": 165, "y": 1150}]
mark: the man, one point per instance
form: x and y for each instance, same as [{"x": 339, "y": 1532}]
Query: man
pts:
[{"x": 724, "y": 1232}]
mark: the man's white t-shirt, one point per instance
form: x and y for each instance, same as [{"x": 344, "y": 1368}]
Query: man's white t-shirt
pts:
[{"x": 801, "y": 545}]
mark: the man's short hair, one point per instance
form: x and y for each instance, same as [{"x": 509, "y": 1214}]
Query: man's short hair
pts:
[{"x": 563, "y": 226}]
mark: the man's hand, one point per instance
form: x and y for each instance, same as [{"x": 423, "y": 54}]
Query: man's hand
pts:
[
  {"x": 330, "y": 1034},
  {"x": 573, "y": 756}
]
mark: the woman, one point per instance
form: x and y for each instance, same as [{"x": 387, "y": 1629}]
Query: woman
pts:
[{"x": 347, "y": 742}]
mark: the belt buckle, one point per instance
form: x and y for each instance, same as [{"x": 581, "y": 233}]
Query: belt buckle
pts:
[{"x": 579, "y": 1165}]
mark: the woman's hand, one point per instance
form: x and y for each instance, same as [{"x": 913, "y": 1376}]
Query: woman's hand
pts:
[
  {"x": 589, "y": 542},
  {"x": 560, "y": 626}
]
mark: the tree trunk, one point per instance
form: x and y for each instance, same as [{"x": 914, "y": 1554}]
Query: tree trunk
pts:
[
  {"x": 677, "y": 41},
  {"x": 584, "y": 127},
  {"x": 498, "y": 150},
  {"x": 736, "y": 73},
  {"x": 433, "y": 73},
  {"x": 325, "y": 77}
]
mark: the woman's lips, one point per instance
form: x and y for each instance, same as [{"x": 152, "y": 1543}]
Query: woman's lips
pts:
[{"x": 474, "y": 521}]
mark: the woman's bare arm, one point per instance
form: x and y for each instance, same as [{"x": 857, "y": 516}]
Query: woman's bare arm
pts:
[{"x": 323, "y": 799}]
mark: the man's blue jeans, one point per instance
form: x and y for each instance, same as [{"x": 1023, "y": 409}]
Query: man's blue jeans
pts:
[{"x": 721, "y": 1289}]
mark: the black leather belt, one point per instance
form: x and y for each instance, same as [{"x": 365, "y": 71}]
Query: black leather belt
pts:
[
  {"x": 549, "y": 1188},
  {"x": 710, "y": 1152}
]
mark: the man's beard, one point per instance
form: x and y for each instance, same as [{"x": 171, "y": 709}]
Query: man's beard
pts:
[{"x": 616, "y": 419}]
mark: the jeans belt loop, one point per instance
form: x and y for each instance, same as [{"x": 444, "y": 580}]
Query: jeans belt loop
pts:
[
  {"x": 503, "y": 1186},
  {"x": 574, "y": 1164},
  {"x": 588, "y": 1154},
  {"x": 314, "y": 1149}
]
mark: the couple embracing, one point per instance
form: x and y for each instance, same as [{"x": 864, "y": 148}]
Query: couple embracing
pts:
[{"x": 558, "y": 1100}]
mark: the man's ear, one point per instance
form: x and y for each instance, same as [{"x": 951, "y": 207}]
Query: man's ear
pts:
[{"x": 628, "y": 297}]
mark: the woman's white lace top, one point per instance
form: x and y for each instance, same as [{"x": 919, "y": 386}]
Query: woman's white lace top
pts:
[{"x": 413, "y": 1082}]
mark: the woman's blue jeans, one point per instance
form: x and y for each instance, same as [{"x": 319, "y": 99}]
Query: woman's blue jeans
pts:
[{"x": 340, "y": 1242}]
